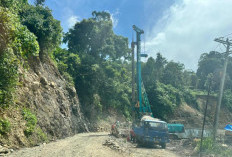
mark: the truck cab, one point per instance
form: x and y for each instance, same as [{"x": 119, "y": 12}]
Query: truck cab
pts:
[{"x": 151, "y": 132}]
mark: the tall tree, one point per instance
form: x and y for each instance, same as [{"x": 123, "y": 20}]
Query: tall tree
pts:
[
  {"x": 39, "y": 2},
  {"x": 101, "y": 79},
  {"x": 160, "y": 63},
  {"x": 94, "y": 37},
  {"x": 173, "y": 74},
  {"x": 209, "y": 63}
]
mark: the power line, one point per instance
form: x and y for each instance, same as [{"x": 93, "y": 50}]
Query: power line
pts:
[
  {"x": 216, "y": 46},
  {"x": 220, "y": 47},
  {"x": 227, "y": 43}
]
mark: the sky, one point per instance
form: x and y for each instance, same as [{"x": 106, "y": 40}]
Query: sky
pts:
[{"x": 181, "y": 30}]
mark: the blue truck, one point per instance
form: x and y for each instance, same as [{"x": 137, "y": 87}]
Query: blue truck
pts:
[{"x": 151, "y": 131}]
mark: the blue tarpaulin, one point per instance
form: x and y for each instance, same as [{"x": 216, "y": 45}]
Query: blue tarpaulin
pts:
[{"x": 228, "y": 127}]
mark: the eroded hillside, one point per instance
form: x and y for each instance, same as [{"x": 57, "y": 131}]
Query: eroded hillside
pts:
[{"x": 45, "y": 93}]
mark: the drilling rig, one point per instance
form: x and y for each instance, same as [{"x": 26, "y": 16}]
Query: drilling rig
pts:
[{"x": 142, "y": 106}]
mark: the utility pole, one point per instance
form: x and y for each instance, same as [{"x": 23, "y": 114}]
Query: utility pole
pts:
[
  {"x": 227, "y": 43},
  {"x": 139, "y": 32},
  {"x": 209, "y": 81}
]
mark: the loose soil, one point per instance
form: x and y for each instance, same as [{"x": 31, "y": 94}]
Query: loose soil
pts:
[{"x": 92, "y": 145}]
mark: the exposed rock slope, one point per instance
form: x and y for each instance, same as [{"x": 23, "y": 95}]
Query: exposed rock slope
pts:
[{"x": 46, "y": 94}]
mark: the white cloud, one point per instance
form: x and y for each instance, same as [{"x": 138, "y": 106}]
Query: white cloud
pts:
[
  {"x": 188, "y": 29},
  {"x": 114, "y": 18},
  {"x": 72, "y": 20}
]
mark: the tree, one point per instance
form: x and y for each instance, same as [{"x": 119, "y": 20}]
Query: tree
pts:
[
  {"x": 39, "y": 2},
  {"x": 190, "y": 79},
  {"x": 160, "y": 63},
  {"x": 163, "y": 99},
  {"x": 209, "y": 63},
  {"x": 152, "y": 70},
  {"x": 39, "y": 20},
  {"x": 94, "y": 37},
  {"x": 13, "y": 5},
  {"x": 101, "y": 79},
  {"x": 173, "y": 74},
  {"x": 149, "y": 71}
]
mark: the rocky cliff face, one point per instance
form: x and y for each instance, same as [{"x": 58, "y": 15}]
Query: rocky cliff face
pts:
[{"x": 54, "y": 102}]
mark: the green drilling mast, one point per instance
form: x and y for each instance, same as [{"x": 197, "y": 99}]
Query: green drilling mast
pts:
[{"x": 142, "y": 105}]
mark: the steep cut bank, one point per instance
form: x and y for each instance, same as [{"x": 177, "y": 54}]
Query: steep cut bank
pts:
[{"x": 46, "y": 107}]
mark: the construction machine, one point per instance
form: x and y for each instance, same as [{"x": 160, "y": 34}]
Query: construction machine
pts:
[{"x": 146, "y": 130}]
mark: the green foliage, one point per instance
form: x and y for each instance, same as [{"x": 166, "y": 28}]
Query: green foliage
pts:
[
  {"x": 39, "y": 2},
  {"x": 8, "y": 78},
  {"x": 97, "y": 102},
  {"x": 173, "y": 74},
  {"x": 5, "y": 29},
  {"x": 209, "y": 147},
  {"x": 207, "y": 144},
  {"x": 16, "y": 40},
  {"x": 94, "y": 38},
  {"x": 189, "y": 97},
  {"x": 94, "y": 62},
  {"x": 67, "y": 63},
  {"x": 167, "y": 85},
  {"x": 5, "y": 126},
  {"x": 39, "y": 20},
  {"x": 190, "y": 79},
  {"x": 16, "y": 36},
  {"x": 209, "y": 63},
  {"x": 13, "y": 5},
  {"x": 25, "y": 42},
  {"x": 227, "y": 99},
  {"x": 31, "y": 122},
  {"x": 42, "y": 137},
  {"x": 163, "y": 99}
]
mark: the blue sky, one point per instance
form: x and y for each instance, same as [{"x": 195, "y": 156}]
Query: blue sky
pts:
[
  {"x": 181, "y": 30},
  {"x": 125, "y": 12}
]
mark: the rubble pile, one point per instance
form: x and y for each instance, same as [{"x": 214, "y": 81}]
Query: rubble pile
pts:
[
  {"x": 4, "y": 150},
  {"x": 113, "y": 145}
]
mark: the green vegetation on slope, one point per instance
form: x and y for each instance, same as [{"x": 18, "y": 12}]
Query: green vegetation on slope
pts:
[
  {"x": 17, "y": 42},
  {"x": 5, "y": 126},
  {"x": 31, "y": 121},
  {"x": 21, "y": 39}
]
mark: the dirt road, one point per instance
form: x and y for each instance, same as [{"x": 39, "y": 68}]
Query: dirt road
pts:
[{"x": 88, "y": 145}]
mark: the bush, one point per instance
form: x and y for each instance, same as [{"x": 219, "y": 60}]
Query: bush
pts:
[
  {"x": 16, "y": 42},
  {"x": 5, "y": 126},
  {"x": 164, "y": 99},
  {"x": 189, "y": 97},
  {"x": 25, "y": 42},
  {"x": 39, "y": 20},
  {"x": 41, "y": 135},
  {"x": 15, "y": 35},
  {"x": 227, "y": 99},
  {"x": 209, "y": 147},
  {"x": 207, "y": 144},
  {"x": 8, "y": 78},
  {"x": 31, "y": 121}
]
